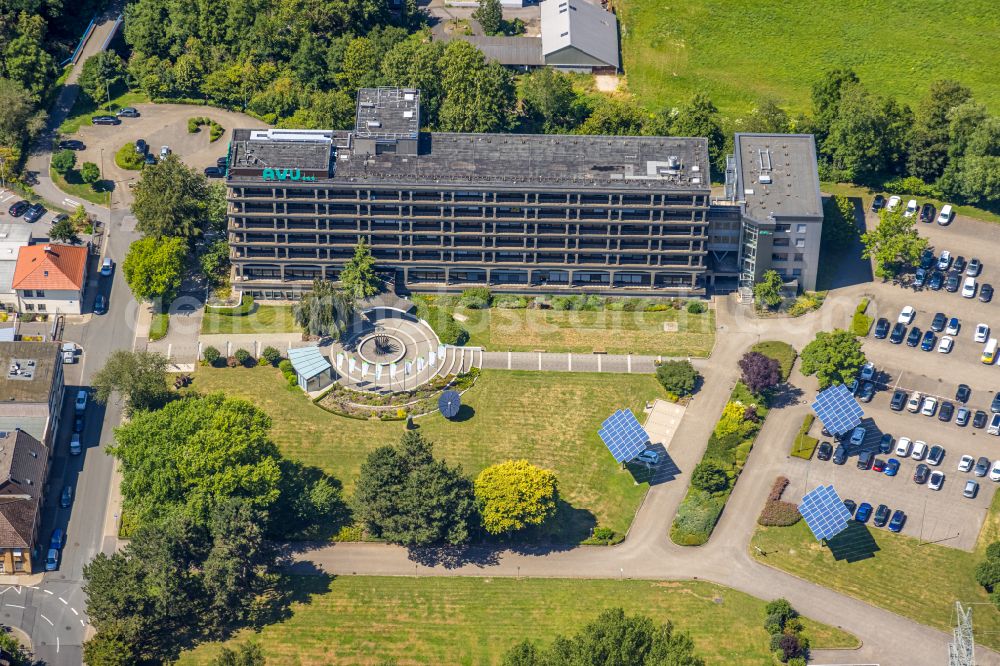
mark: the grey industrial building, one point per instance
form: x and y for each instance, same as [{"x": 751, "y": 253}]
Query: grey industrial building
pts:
[{"x": 517, "y": 213}]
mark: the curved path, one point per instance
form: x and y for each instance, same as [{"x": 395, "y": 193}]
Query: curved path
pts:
[{"x": 647, "y": 553}]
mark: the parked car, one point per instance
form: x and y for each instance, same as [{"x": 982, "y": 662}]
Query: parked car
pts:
[
  {"x": 913, "y": 339},
  {"x": 906, "y": 315},
  {"x": 78, "y": 424},
  {"x": 920, "y": 278},
  {"x": 919, "y": 450},
  {"x": 214, "y": 172},
  {"x": 75, "y": 447},
  {"x": 878, "y": 203},
  {"x": 893, "y": 203},
  {"x": 100, "y": 304},
  {"x": 959, "y": 264},
  {"x": 878, "y": 465},
  {"x": 882, "y": 328},
  {"x": 928, "y": 212},
  {"x": 863, "y": 513},
  {"x": 921, "y": 473},
  {"x": 885, "y": 443},
  {"x": 946, "y": 412},
  {"x": 952, "y": 283},
  {"x": 903, "y": 447},
  {"x": 150, "y": 159},
  {"x": 953, "y": 327},
  {"x": 938, "y": 322},
  {"x": 80, "y": 404},
  {"x": 995, "y": 403},
  {"x": 913, "y": 404},
  {"x": 965, "y": 463},
  {"x": 979, "y": 419},
  {"x": 994, "y": 427},
  {"x": 34, "y": 213},
  {"x": 972, "y": 270},
  {"x": 962, "y": 416},
  {"x": 105, "y": 120},
  {"x": 969, "y": 288},
  {"x": 911, "y": 208},
  {"x": 851, "y": 506},
  {"x": 72, "y": 144},
  {"x": 927, "y": 258},
  {"x": 222, "y": 162},
  {"x": 898, "y": 520},
  {"x": 825, "y": 451},
  {"x": 971, "y": 489},
  {"x": 989, "y": 352},
  {"x": 66, "y": 497},
  {"x": 982, "y": 466},
  {"x": 107, "y": 266},
  {"x": 898, "y": 400},
  {"x": 944, "y": 261},
  {"x": 935, "y": 455},
  {"x": 936, "y": 480},
  {"x": 867, "y": 392},
  {"x": 867, "y": 371},
  {"x": 649, "y": 456},
  {"x": 840, "y": 455},
  {"x": 52, "y": 560},
  {"x": 995, "y": 471},
  {"x": 865, "y": 460},
  {"x": 858, "y": 436},
  {"x": 141, "y": 147},
  {"x": 945, "y": 344},
  {"x": 936, "y": 281},
  {"x": 929, "y": 341},
  {"x": 127, "y": 112},
  {"x": 891, "y": 467},
  {"x": 898, "y": 333},
  {"x": 929, "y": 406},
  {"x": 986, "y": 293},
  {"x": 946, "y": 215},
  {"x": 882, "y": 514},
  {"x": 164, "y": 151},
  {"x": 18, "y": 208},
  {"x": 982, "y": 333}
]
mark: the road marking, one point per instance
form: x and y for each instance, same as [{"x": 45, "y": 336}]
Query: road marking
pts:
[
  {"x": 34, "y": 587},
  {"x": 14, "y": 606},
  {"x": 65, "y": 603},
  {"x": 70, "y": 202},
  {"x": 16, "y": 588},
  {"x": 47, "y": 591},
  {"x": 46, "y": 619},
  {"x": 74, "y": 612},
  {"x": 57, "y": 644},
  {"x": 82, "y": 623}
]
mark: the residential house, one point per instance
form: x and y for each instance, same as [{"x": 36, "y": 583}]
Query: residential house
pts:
[{"x": 49, "y": 279}]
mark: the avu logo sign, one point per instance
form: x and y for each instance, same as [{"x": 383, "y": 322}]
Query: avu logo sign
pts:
[{"x": 285, "y": 174}]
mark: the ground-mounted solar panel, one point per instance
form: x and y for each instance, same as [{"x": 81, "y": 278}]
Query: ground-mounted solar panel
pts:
[
  {"x": 623, "y": 435},
  {"x": 824, "y": 512},
  {"x": 838, "y": 409}
]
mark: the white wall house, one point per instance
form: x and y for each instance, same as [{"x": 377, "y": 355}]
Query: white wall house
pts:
[{"x": 49, "y": 279}]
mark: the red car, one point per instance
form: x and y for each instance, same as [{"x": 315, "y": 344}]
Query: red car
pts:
[{"x": 878, "y": 465}]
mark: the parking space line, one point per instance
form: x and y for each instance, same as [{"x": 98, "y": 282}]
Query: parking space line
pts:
[
  {"x": 65, "y": 603},
  {"x": 14, "y": 606},
  {"x": 74, "y": 612},
  {"x": 47, "y": 591},
  {"x": 46, "y": 619}
]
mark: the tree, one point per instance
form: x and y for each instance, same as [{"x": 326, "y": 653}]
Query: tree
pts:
[
  {"x": 840, "y": 228},
  {"x": 358, "y": 276},
  {"x": 710, "y": 476},
  {"x": 867, "y": 138},
  {"x": 767, "y": 118},
  {"x": 325, "y": 311},
  {"x": 479, "y": 96},
  {"x": 18, "y": 118},
  {"x": 406, "y": 496},
  {"x": 677, "y": 377},
  {"x": 171, "y": 200},
  {"x": 247, "y": 654},
  {"x": 90, "y": 173},
  {"x": 215, "y": 262},
  {"x": 988, "y": 573},
  {"x": 140, "y": 377},
  {"x": 894, "y": 244},
  {"x": 700, "y": 118},
  {"x": 615, "y": 117},
  {"x": 154, "y": 266},
  {"x": 101, "y": 72},
  {"x": 767, "y": 290},
  {"x": 928, "y": 140},
  {"x": 64, "y": 161},
  {"x": 550, "y": 102},
  {"x": 64, "y": 230},
  {"x": 826, "y": 94},
  {"x": 489, "y": 14},
  {"x": 612, "y": 639},
  {"x": 515, "y": 494},
  {"x": 835, "y": 357},
  {"x": 760, "y": 372},
  {"x": 360, "y": 66}
]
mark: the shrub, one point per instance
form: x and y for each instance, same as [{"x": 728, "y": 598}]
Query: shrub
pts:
[
  {"x": 289, "y": 372},
  {"x": 777, "y": 513},
  {"x": 271, "y": 356},
  {"x": 807, "y": 302},
  {"x": 782, "y": 352},
  {"x": 783, "y": 608},
  {"x": 993, "y": 551},
  {"x": 244, "y": 308},
  {"x": 243, "y": 357},
  {"x": 912, "y": 185},
  {"x": 778, "y": 488},
  {"x": 449, "y": 331},
  {"x": 791, "y": 646},
  {"x": 510, "y": 302},
  {"x": 862, "y": 306},
  {"x": 696, "y": 307},
  {"x": 709, "y": 476},
  {"x": 64, "y": 161},
  {"x": 127, "y": 158},
  {"x": 677, "y": 377},
  {"x": 477, "y": 298},
  {"x": 603, "y": 534},
  {"x": 759, "y": 372},
  {"x": 696, "y": 518},
  {"x": 159, "y": 325},
  {"x": 211, "y": 355},
  {"x": 988, "y": 573},
  {"x": 90, "y": 173}
]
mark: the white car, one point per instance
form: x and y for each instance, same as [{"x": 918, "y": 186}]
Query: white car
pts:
[
  {"x": 911, "y": 208},
  {"x": 867, "y": 372},
  {"x": 953, "y": 325},
  {"x": 995, "y": 471},
  {"x": 944, "y": 217},
  {"x": 107, "y": 266},
  {"x": 944, "y": 261},
  {"x": 906, "y": 315},
  {"x": 894, "y": 202},
  {"x": 858, "y": 436},
  {"x": 945, "y": 344},
  {"x": 966, "y": 463},
  {"x": 903, "y": 447},
  {"x": 649, "y": 456},
  {"x": 164, "y": 151},
  {"x": 982, "y": 333},
  {"x": 919, "y": 450},
  {"x": 936, "y": 480},
  {"x": 969, "y": 288},
  {"x": 930, "y": 406},
  {"x": 74, "y": 444},
  {"x": 913, "y": 404}
]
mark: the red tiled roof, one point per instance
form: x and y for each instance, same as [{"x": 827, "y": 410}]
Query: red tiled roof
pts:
[{"x": 50, "y": 267}]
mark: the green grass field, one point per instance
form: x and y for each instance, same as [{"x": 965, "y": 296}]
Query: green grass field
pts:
[
  {"x": 550, "y": 419},
  {"x": 866, "y": 195},
  {"x": 264, "y": 319},
  {"x": 83, "y": 109},
  {"x": 500, "y": 329},
  {"x": 739, "y": 51},
  {"x": 365, "y": 620},
  {"x": 875, "y": 579},
  {"x": 77, "y": 188}
]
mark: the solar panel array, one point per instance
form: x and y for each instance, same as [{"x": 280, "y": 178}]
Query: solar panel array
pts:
[
  {"x": 837, "y": 409},
  {"x": 824, "y": 512},
  {"x": 623, "y": 435}
]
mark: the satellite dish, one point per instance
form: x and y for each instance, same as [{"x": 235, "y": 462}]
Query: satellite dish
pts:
[{"x": 449, "y": 403}]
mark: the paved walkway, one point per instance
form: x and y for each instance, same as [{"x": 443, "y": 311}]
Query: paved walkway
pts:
[
  {"x": 575, "y": 362},
  {"x": 647, "y": 553}
]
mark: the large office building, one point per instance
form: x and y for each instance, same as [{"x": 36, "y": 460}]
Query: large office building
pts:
[{"x": 445, "y": 211}]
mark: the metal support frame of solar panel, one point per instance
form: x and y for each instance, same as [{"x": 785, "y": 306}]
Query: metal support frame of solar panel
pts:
[
  {"x": 838, "y": 409},
  {"x": 623, "y": 435},
  {"x": 824, "y": 512}
]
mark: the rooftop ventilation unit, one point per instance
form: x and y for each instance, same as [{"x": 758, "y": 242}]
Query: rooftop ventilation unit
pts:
[{"x": 673, "y": 163}]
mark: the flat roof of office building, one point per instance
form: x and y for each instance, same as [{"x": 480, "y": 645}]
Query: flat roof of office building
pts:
[
  {"x": 777, "y": 174},
  {"x": 31, "y": 381},
  {"x": 538, "y": 160},
  {"x": 281, "y": 149}
]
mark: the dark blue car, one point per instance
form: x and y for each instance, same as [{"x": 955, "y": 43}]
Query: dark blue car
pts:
[
  {"x": 891, "y": 467},
  {"x": 864, "y": 512},
  {"x": 898, "y": 520},
  {"x": 929, "y": 341}
]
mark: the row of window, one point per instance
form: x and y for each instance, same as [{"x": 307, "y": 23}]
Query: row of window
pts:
[
  {"x": 786, "y": 242},
  {"x": 786, "y": 228},
  {"x": 783, "y": 256},
  {"x": 31, "y": 307},
  {"x": 36, "y": 293}
]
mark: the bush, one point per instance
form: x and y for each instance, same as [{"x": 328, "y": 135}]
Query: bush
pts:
[
  {"x": 912, "y": 185},
  {"x": 988, "y": 573},
  {"x": 211, "y": 355},
  {"x": 215, "y": 129},
  {"x": 510, "y": 302},
  {"x": 603, "y": 534},
  {"x": 90, "y": 173},
  {"x": 709, "y": 476},
  {"x": 782, "y": 608},
  {"x": 860, "y": 324},
  {"x": 271, "y": 356},
  {"x": 449, "y": 331},
  {"x": 159, "y": 325},
  {"x": 696, "y": 307},
  {"x": 477, "y": 298},
  {"x": 862, "y": 306},
  {"x": 993, "y": 551},
  {"x": 231, "y": 362},
  {"x": 289, "y": 372},
  {"x": 126, "y": 158},
  {"x": 777, "y": 513},
  {"x": 791, "y": 646},
  {"x": 696, "y": 518},
  {"x": 677, "y": 377},
  {"x": 243, "y": 357},
  {"x": 778, "y": 489},
  {"x": 782, "y": 352},
  {"x": 64, "y": 161},
  {"x": 807, "y": 302}
]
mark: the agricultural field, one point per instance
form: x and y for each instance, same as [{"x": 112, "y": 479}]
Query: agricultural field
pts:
[
  {"x": 740, "y": 51},
  {"x": 550, "y": 419},
  {"x": 368, "y": 620}
]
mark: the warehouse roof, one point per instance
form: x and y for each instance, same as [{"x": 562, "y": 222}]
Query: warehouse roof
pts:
[
  {"x": 516, "y": 51},
  {"x": 580, "y": 25},
  {"x": 777, "y": 175}
]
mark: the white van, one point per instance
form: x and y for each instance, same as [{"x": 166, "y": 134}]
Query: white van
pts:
[
  {"x": 990, "y": 351},
  {"x": 994, "y": 427},
  {"x": 944, "y": 217}
]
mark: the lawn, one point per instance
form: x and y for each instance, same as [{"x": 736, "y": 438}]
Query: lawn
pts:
[
  {"x": 739, "y": 51},
  {"x": 550, "y": 419},
  {"x": 668, "y": 333},
  {"x": 793, "y": 549},
  {"x": 867, "y": 194},
  {"x": 84, "y": 109},
  {"x": 159, "y": 325},
  {"x": 75, "y": 187},
  {"x": 366, "y": 620},
  {"x": 263, "y": 319}
]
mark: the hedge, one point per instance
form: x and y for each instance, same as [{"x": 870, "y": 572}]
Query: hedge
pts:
[
  {"x": 126, "y": 158},
  {"x": 860, "y": 324},
  {"x": 782, "y": 352},
  {"x": 158, "y": 326},
  {"x": 244, "y": 308},
  {"x": 778, "y": 513},
  {"x": 804, "y": 445},
  {"x": 449, "y": 331},
  {"x": 215, "y": 130}
]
